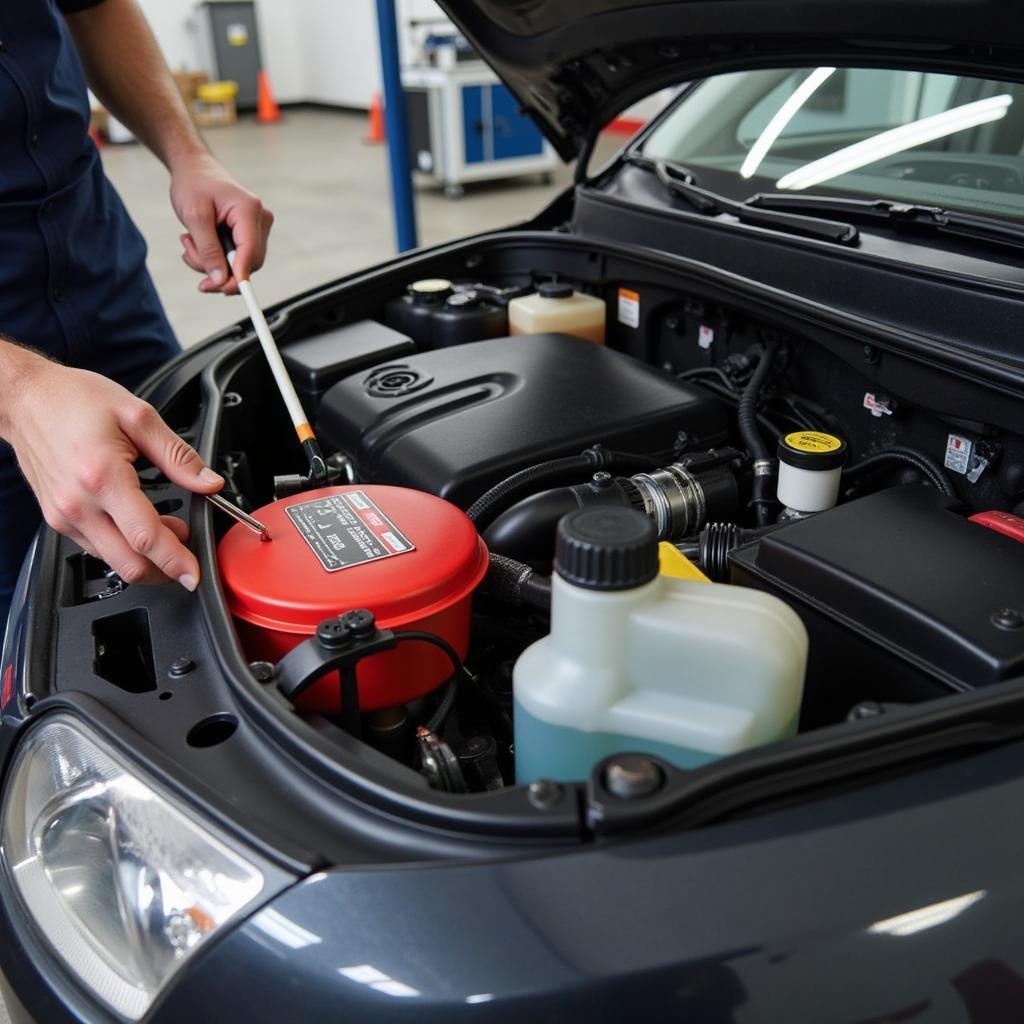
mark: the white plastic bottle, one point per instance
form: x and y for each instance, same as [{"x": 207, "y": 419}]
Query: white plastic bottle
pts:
[
  {"x": 556, "y": 307},
  {"x": 684, "y": 670}
]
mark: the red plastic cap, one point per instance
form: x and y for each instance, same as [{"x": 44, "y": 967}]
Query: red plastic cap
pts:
[
  {"x": 1005, "y": 523},
  {"x": 403, "y": 554}
]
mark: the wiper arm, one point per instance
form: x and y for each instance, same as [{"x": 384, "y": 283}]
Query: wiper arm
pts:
[
  {"x": 682, "y": 182},
  {"x": 929, "y": 218}
]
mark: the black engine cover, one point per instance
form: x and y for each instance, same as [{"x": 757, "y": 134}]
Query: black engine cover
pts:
[
  {"x": 898, "y": 592},
  {"x": 456, "y": 421}
]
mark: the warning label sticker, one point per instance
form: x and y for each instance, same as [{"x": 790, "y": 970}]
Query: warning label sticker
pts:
[
  {"x": 629, "y": 307},
  {"x": 958, "y": 453},
  {"x": 347, "y": 529}
]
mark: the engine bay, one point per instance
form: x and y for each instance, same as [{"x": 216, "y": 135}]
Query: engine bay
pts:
[
  {"x": 710, "y": 539},
  {"x": 452, "y": 430}
]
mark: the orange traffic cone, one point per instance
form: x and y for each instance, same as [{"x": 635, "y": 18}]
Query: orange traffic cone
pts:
[
  {"x": 267, "y": 110},
  {"x": 375, "y": 120}
]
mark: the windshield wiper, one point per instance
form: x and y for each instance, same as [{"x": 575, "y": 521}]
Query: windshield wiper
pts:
[
  {"x": 680, "y": 181},
  {"x": 928, "y": 218}
]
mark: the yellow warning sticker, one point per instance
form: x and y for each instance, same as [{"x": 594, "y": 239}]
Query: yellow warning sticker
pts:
[{"x": 812, "y": 441}]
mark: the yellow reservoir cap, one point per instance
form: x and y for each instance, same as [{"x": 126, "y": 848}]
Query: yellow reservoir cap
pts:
[
  {"x": 812, "y": 449},
  {"x": 672, "y": 562},
  {"x": 812, "y": 441}
]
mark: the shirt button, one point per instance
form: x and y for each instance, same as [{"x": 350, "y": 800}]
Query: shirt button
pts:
[
  {"x": 34, "y": 138},
  {"x": 58, "y": 294}
]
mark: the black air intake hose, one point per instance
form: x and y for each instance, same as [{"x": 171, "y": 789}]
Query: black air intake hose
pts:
[
  {"x": 747, "y": 416},
  {"x": 679, "y": 498},
  {"x": 715, "y": 542},
  {"x": 516, "y": 583},
  {"x": 535, "y": 478}
]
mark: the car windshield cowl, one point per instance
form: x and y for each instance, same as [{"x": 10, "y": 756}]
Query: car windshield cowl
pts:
[
  {"x": 929, "y": 218},
  {"x": 682, "y": 182}
]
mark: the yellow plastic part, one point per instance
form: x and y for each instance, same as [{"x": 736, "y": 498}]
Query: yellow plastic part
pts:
[
  {"x": 813, "y": 441},
  {"x": 674, "y": 563},
  {"x": 217, "y": 92}
]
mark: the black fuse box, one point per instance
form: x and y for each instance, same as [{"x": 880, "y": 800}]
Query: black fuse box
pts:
[
  {"x": 316, "y": 363},
  {"x": 900, "y": 594},
  {"x": 456, "y": 421}
]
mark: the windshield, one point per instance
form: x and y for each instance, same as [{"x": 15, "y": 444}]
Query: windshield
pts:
[{"x": 939, "y": 140}]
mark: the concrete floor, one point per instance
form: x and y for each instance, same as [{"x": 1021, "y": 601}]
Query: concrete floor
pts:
[{"x": 330, "y": 196}]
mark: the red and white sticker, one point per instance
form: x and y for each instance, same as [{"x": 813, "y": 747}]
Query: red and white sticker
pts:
[
  {"x": 344, "y": 530},
  {"x": 629, "y": 307},
  {"x": 878, "y": 407},
  {"x": 958, "y": 453},
  {"x": 705, "y": 336}
]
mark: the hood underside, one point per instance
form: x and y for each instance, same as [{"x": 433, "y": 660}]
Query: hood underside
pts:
[{"x": 575, "y": 64}]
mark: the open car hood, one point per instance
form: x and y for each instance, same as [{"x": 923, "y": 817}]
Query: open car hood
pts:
[{"x": 575, "y": 64}]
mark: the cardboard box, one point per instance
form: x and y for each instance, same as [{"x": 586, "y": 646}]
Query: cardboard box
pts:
[
  {"x": 188, "y": 83},
  {"x": 214, "y": 115}
]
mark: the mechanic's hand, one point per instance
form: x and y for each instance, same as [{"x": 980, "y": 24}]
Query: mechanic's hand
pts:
[
  {"x": 76, "y": 435},
  {"x": 204, "y": 195}
]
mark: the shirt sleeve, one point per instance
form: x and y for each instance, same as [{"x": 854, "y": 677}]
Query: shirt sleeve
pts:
[{"x": 70, "y": 6}]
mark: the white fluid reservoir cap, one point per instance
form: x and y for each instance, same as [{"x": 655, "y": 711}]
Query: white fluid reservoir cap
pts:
[{"x": 810, "y": 465}]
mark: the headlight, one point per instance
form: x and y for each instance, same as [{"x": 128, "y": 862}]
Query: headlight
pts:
[{"x": 123, "y": 882}]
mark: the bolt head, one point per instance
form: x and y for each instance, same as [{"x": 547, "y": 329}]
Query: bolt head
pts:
[
  {"x": 631, "y": 776},
  {"x": 263, "y": 671},
  {"x": 865, "y": 709},
  {"x": 181, "y": 667},
  {"x": 1007, "y": 618},
  {"x": 544, "y": 793}
]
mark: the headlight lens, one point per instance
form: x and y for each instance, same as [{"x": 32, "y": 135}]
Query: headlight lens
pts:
[{"x": 123, "y": 883}]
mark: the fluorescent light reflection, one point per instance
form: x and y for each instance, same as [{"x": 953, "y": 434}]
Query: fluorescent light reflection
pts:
[
  {"x": 281, "y": 929},
  {"x": 777, "y": 125},
  {"x": 926, "y": 917},
  {"x": 367, "y": 974},
  {"x": 897, "y": 140}
]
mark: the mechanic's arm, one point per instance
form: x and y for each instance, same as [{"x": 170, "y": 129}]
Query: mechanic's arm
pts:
[
  {"x": 128, "y": 73},
  {"x": 76, "y": 435}
]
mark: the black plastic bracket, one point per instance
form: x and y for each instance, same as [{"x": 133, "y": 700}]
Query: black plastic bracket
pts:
[{"x": 338, "y": 644}]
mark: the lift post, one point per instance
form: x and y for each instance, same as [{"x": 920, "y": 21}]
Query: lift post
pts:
[{"x": 396, "y": 124}]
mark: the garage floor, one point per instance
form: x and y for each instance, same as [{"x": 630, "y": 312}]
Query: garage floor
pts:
[{"x": 330, "y": 196}]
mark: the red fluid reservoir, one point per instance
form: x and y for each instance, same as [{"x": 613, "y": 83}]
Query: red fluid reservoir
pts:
[{"x": 409, "y": 557}]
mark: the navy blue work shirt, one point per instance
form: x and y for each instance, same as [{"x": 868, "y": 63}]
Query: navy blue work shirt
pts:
[{"x": 73, "y": 281}]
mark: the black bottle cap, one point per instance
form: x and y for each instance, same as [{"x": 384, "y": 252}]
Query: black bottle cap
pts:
[
  {"x": 555, "y": 290},
  {"x": 607, "y": 549}
]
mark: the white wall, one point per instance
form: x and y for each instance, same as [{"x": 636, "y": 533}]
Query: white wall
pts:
[
  {"x": 340, "y": 51},
  {"x": 320, "y": 50},
  {"x": 324, "y": 51}
]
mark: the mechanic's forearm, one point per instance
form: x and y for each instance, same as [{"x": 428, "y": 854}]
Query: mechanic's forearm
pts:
[
  {"x": 17, "y": 366},
  {"x": 128, "y": 73}
]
